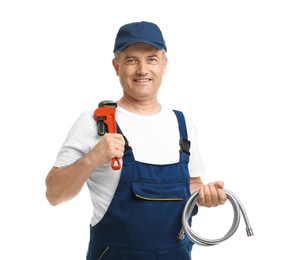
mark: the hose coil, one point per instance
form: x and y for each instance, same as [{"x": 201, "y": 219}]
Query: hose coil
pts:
[{"x": 237, "y": 208}]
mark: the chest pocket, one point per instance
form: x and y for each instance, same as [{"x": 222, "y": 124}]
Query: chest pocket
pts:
[{"x": 158, "y": 190}]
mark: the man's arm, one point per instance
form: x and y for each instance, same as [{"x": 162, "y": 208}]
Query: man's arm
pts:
[{"x": 64, "y": 183}]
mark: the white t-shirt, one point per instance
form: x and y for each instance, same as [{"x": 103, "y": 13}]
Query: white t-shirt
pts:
[{"x": 154, "y": 140}]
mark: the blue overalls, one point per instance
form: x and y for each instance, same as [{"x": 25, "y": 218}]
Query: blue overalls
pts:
[{"x": 144, "y": 216}]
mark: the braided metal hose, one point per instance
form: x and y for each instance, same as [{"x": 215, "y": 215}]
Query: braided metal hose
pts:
[{"x": 237, "y": 208}]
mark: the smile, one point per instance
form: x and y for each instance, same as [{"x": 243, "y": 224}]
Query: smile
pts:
[{"x": 142, "y": 80}]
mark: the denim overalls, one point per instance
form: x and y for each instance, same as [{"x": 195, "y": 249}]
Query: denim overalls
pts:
[{"x": 144, "y": 216}]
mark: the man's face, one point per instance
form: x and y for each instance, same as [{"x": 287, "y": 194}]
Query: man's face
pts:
[{"x": 140, "y": 69}]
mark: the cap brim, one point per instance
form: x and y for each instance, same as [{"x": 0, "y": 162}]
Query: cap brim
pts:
[{"x": 154, "y": 44}]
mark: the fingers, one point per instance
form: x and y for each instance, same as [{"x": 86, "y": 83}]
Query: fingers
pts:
[
  {"x": 110, "y": 146},
  {"x": 219, "y": 184},
  {"x": 212, "y": 194},
  {"x": 222, "y": 197},
  {"x": 116, "y": 145}
]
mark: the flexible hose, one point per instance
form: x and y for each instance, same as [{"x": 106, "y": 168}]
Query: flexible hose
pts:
[{"x": 237, "y": 208}]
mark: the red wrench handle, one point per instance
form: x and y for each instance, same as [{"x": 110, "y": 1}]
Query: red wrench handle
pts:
[{"x": 115, "y": 163}]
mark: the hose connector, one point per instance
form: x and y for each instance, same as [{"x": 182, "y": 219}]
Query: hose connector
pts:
[
  {"x": 181, "y": 234},
  {"x": 249, "y": 231}
]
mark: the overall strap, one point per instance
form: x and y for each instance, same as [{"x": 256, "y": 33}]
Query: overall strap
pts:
[
  {"x": 118, "y": 130},
  {"x": 184, "y": 142},
  {"x": 182, "y": 124}
]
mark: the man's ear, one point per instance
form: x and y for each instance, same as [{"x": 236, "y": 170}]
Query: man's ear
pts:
[
  {"x": 115, "y": 65},
  {"x": 165, "y": 64}
]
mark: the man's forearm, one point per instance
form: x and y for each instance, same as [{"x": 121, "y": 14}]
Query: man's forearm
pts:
[{"x": 65, "y": 183}]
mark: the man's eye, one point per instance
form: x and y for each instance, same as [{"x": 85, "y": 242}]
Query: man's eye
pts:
[
  {"x": 152, "y": 60},
  {"x": 130, "y": 61}
]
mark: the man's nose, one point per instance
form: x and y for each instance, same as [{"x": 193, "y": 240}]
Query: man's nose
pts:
[{"x": 142, "y": 68}]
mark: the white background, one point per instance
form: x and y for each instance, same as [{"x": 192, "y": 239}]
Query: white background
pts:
[{"x": 231, "y": 67}]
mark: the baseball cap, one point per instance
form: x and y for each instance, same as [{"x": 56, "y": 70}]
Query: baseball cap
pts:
[{"x": 139, "y": 32}]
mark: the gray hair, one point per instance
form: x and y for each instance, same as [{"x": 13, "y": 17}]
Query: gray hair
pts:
[{"x": 116, "y": 54}]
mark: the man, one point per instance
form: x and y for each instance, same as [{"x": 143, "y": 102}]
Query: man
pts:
[{"x": 137, "y": 208}]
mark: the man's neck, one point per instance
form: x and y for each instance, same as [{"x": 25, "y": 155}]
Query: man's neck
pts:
[{"x": 140, "y": 107}]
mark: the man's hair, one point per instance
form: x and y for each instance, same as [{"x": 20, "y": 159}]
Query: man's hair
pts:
[{"x": 116, "y": 54}]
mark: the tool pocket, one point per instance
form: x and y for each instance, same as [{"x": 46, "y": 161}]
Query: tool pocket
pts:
[
  {"x": 156, "y": 211},
  {"x": 158, "y": 190}
]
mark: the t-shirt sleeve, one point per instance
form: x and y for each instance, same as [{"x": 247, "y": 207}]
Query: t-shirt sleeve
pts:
[
  {"x": 76, "y": 143},
  {"x": 196, "y": 167}
]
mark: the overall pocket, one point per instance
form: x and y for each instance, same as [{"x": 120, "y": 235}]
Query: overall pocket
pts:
[
  {"x": 158, "y": 190},
  {"x": 156, "y": 212}
]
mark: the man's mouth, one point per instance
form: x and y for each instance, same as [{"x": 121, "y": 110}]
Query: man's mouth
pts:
[{"x": 142, "y": 80}]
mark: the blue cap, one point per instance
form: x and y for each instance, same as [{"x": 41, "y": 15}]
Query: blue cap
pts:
[{"x": 139, "y": 32}]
